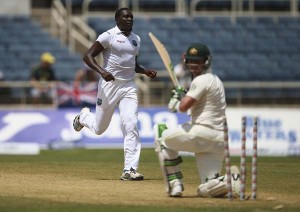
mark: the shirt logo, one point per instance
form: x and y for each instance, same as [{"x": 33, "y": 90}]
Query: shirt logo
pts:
[
  {"x": 193, "y": 87},
  {"x": 134, "y": 43},
  {"x": 99, "y": 101},
  {"x": 120, "y": 41}
]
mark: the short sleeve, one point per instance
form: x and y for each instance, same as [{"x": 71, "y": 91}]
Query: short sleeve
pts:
[
  {"x": 104, "y": 39},
  {"x": 198, "y": 87}
]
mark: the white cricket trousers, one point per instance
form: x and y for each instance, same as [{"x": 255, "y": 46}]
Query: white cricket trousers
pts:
[
  {"x": 122, "y": 94},
  {"x": 206, "y": 143}
]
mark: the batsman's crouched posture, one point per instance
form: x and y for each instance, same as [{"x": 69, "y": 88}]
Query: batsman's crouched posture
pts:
[{"x": 203, "y": 135}]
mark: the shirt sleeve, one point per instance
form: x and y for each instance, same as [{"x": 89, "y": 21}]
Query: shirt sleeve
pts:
[
  {"x": 104, "y": 39},
  {"x": 198, "y": 87}
]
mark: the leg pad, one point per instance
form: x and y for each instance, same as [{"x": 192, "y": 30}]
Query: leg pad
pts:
[
  {"x": 174, "y": 176},
  {"x": 173, "y": 162}
]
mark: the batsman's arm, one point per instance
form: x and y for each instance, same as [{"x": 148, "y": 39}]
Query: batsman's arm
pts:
[
  {"x": 186, "y": 103},
  {"x": 180, "y": 102},
  {"x": 181, "y": 106}
]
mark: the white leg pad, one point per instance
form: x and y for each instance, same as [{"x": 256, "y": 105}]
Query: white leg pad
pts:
[
  {"x": 218, "y": 187},
  {"x": 169, "y": 164},
  {"x": 170, "y": 172},
  {"x": 162, "y": 165},
  {"x": 235, "y": 181},
  {"x": 213, "y": 188}
]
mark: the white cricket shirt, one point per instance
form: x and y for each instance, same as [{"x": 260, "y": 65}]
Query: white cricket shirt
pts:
[
  {"x": 210, "y": 107},
  {"x": 119, "y": 53}
]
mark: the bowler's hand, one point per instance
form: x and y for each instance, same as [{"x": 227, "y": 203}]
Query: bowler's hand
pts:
[
  {"x": 107, "y": 76},
  {"x": 151, "y": 73}
]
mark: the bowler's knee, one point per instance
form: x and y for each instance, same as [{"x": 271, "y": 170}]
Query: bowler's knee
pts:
[
  {"x": 99, "y": 130},
  {"x": 130, "y": 126}
]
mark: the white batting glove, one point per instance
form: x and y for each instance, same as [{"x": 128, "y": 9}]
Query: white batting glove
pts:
[
  {"x": 179, "y": 92},
  {"x": 173, "y": 105},
  {"x": 181, "y": 89}
]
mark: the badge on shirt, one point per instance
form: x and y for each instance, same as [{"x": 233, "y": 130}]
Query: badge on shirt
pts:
[
  {"x": 134, "y": 43},
  {"x": 193, "y": 87},
  {"x": 99, "y": 101}
]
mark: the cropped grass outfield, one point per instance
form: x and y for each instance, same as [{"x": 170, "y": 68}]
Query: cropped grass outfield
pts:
[{"x": 88, "y": 180}]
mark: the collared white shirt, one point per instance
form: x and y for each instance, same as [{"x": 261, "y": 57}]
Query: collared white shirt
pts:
[
  {"x": 209, "y": 108},
  {"x": 119, "y": 53}
]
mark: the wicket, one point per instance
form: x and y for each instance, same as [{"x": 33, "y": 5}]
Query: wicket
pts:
[
  {"x": 243, "y": 159},
  {"x": 227, "y": 158}
]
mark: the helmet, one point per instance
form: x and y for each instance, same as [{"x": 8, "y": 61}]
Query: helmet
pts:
[{"x": 197, "y": 51}]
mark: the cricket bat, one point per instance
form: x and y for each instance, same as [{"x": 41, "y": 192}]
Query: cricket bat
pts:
[{"x": 165, "y": 57}]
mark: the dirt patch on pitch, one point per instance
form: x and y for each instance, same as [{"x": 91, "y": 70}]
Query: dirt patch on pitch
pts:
[{"x": 150, "y": 192}]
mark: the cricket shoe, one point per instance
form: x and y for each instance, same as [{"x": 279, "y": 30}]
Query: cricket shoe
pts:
[
  {"x": 76, "y": 123},
  {"x": 176, "y": 188},
  {"x": 131, "y": 174}
]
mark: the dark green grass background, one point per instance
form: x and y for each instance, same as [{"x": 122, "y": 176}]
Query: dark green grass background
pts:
[{"x": 277, "y": 177}]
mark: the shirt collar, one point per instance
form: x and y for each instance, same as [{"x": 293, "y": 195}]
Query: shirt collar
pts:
[{"x": 118, "y": 31}]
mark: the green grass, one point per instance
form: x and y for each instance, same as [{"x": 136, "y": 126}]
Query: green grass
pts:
[{"x": 88, "y": 180}]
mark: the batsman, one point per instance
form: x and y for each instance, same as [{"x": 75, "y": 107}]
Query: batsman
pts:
[{"x": 202, "y": 135}]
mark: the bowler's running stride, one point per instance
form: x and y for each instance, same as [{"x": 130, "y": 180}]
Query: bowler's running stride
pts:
[{"x": 119, "y": 47}]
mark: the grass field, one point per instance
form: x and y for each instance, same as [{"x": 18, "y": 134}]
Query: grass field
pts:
[{"x": 88, "y": 180}]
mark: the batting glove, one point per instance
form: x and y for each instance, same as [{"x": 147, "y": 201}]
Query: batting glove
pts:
[
  {"x": 179, "y": 92},
  {"x": 173, "y": 105}
]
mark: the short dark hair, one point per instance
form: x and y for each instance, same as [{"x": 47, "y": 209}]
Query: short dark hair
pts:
[{"x": 119, "y": 12}]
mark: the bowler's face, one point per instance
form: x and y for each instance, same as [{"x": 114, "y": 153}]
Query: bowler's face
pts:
[
  {"x": 46, "y": 65},
  {"x": 125, "y": 21}
]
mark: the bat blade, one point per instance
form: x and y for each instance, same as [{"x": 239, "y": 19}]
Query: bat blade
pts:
[{"x": 165, "y": 57}]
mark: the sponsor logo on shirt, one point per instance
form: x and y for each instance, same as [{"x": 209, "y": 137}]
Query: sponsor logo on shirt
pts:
[
  {"x": 120, "y": 41},
  {"x": 99, "y": 101}
]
